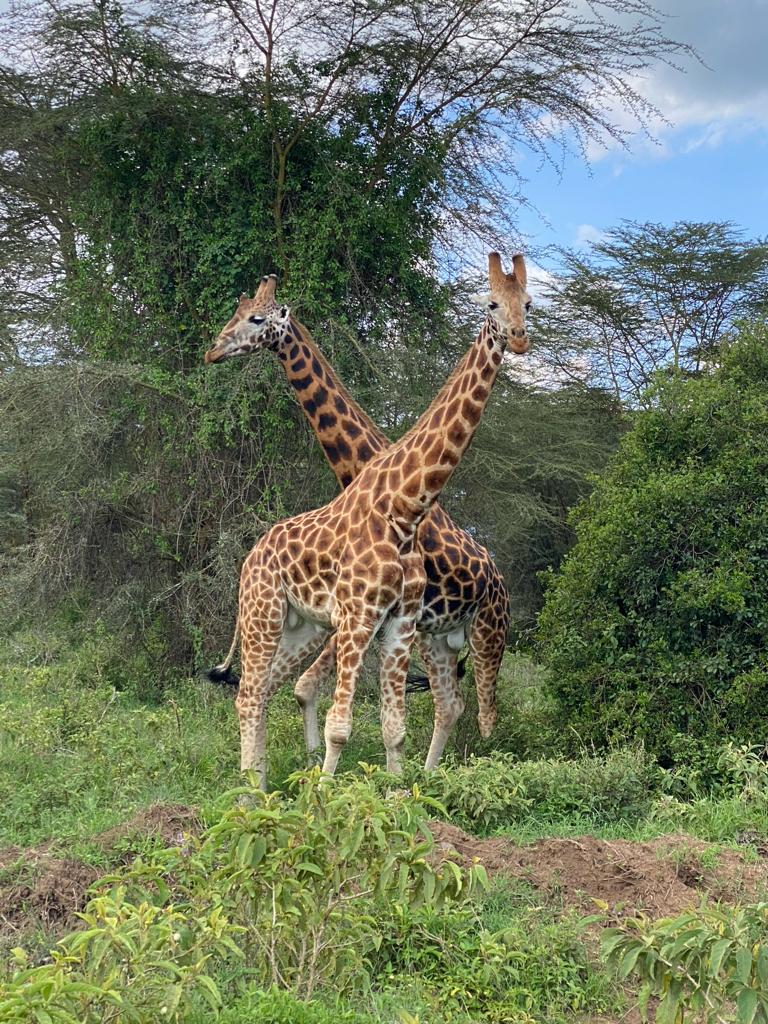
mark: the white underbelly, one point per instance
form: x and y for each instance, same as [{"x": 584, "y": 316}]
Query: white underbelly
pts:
[{"x": 456, "y": 638}]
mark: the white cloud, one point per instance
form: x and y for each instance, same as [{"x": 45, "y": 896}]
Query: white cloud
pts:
[
  {"x": 586, "y": 233},
  {"x": 723, "y": 98},
  {"x": 538, "y": 280}
]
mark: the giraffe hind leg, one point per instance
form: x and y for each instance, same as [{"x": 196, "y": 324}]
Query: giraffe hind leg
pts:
[
  {"x": 487, "y": 641},
  {"x": 306, "y": 691},
  {"x": 267, "y": 663}
]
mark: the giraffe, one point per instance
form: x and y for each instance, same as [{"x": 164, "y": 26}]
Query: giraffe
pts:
[
  {"x": 465, "y": 598},
  {"x": 352, "y": 567}
]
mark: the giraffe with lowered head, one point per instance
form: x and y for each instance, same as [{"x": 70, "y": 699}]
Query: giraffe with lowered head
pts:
[
  {"x": 353, "y": 566},
  {"x": 465, "y": 598}
]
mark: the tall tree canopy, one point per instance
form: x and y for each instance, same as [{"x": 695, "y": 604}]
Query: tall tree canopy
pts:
[
  {"x": 650, "y": 297},
  {"x": 155, "y": 160}
]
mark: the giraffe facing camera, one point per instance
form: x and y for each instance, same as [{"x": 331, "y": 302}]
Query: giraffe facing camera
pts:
[{"x": 338, "y": 576}]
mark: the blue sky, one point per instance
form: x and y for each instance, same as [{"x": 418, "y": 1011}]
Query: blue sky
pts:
[{"x": 710, "y": 163}]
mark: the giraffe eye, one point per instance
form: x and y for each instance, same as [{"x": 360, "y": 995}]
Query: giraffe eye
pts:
[
  {"x": 256, "y": 319},
  {"x": 493, "y": 305}
]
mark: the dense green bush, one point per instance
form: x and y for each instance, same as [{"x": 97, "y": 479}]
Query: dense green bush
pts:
[
  {"x": 710, "y": 964},
  {"x": 488, "y": 793},
  {"x": 278, "y": 1007},
  {"x": 532, "y": 967},
  {"x": 297, "y": 891},
  {"x": 133, "y": 962},
  {"x": 655, "y": 628}
]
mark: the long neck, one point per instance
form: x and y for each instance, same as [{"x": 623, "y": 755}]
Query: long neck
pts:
[
  {"x": 348, "y": 437},
  {"x": 423, "y": 460}
]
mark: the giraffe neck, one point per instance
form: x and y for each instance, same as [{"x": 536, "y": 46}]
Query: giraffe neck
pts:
[
  {"x": 348, "y": 437},
  {"x": 419, "y": 465}
]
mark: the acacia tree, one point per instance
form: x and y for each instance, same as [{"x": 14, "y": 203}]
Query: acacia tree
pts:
[
  {"x": 469, "y": 80},
  {"x": 164, "y": 158},
  {"x": 649, "y": 297}
]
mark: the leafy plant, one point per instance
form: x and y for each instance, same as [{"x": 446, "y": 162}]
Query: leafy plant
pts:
[
  {"x": 133, "y": 962},
  {"x": 711, "y": 963},
  {"x": 534, "y": 964},
  {"x": 311, "y": 876}
]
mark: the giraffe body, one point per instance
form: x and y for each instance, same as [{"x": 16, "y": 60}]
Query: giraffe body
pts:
[
  {"x": 465, "y": 598},
  {"x": 358, "y": 565}
]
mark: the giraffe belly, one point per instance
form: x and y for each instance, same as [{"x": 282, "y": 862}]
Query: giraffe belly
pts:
[
  {"x": 439, "y": 621},
  {"x": 456, "y": 639}
]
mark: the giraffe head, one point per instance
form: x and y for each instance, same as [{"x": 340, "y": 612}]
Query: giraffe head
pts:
[
  {"x": 508, "y": 301},
  {"x": 258, "y": 323}
]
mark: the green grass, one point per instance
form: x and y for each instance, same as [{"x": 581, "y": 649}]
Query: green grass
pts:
[
  {"x": 80, "y": 753},
  {"x": 86, "y": 742},
  {"x": 721, "y": 820},
  {"x": 83, "y": 746}
]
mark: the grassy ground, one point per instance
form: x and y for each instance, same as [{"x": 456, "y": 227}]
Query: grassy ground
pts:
[{"x": 83, "y": 749}]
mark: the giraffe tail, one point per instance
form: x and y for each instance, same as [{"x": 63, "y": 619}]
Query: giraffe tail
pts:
[
  {"x": 224, "y": 673},
  {"x": 418, "y": 684}
]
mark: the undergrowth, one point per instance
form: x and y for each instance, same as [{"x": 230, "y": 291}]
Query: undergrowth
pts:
[{"x": 320, "y": 903}]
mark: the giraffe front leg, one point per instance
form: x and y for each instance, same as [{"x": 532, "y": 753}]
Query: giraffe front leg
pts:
[
  {"x": 440, "y": 663},
  {"x": 353, "y": 638},
  {"x": 397, "y": 640},
  {"x": 306, "y": 691}
]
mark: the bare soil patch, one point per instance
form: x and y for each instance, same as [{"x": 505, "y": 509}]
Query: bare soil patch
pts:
[
  {"x": 39, "y": 889},
  {"x": 660, "y": 878}
]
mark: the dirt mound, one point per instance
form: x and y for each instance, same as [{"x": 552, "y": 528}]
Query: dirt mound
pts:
[
  {"x": 39, "y": 888},
  {"x": 168, "y": 822},
  {"x": 660, "y": 877}
]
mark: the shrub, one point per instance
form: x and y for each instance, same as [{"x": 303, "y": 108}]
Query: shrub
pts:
[
  {"x": 490, "y": 792},
  {"x": 312, "y": 877},
  {"x": 654, "y": 630},
  {"x": 533, "y": 967},
  {"x": 299, "y": 889},
  {"x": 133, "y": 962},
  {"x": 705, "y": 964}
]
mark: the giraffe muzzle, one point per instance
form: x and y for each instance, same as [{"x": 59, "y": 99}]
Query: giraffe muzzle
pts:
[
  {"x": 518, "y": 340},
  {"x": 219, "y": 351}
]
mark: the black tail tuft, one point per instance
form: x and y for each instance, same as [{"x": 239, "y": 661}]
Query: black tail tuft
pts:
[
  {"x": 223, "y": 676},
  {"x": 461, "y": 665},
  {"x": 416, "y": 684},
  {"x": 419, "y": 684}
]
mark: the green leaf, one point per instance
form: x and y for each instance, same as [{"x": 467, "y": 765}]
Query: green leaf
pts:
[
  {"x": 719, "y": 950},
  {"x": 744, "y": 966},
  {"x": 629, "y": 960},
  {"x": 746, "y": 1005},
  {"x": 307, "y": 865}
]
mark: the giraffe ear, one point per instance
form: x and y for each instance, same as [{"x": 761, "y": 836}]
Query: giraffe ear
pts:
[
  {"x": 244, "y": 297},
  {"x": 482, "y": 299}
]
